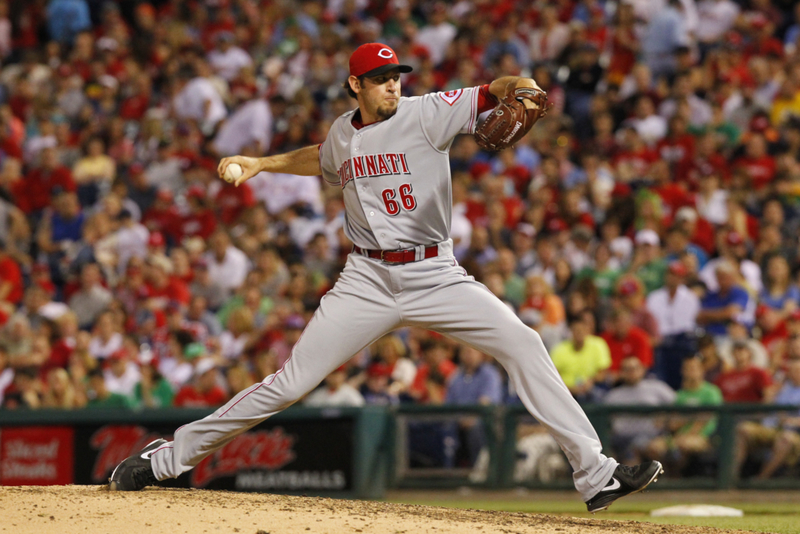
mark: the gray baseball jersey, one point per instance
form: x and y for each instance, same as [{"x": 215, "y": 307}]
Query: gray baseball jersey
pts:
[
  {"x": 396, "y": 180},
  {"x": 396, "y": 173}
]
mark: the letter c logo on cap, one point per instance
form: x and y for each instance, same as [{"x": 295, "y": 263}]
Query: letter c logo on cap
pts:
[{"x": 385, "y": 53}]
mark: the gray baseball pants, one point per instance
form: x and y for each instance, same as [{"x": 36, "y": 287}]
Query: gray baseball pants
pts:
[{"x": 371, "y": 299}]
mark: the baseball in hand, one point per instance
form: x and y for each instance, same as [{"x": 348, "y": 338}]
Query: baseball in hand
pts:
[{"x": 232, "y": 172}]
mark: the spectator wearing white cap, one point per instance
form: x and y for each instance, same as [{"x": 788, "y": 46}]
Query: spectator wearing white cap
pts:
[{"x": 647, "y": 262}]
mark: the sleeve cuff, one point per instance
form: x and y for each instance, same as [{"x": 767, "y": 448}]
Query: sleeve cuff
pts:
[{"x": 486, "y": 100}]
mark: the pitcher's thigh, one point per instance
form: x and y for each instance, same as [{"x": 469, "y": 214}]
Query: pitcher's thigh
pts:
[
  {"x": 342, "y": 326},
  {"x": 469, "y": 312}
]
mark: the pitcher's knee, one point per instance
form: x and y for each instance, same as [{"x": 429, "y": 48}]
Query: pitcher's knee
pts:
[
  {"x": 288, "y": 395},
  {"x": 282, "y": 391},
  {"x": 526, "y": 339},
  {"x": 521, "y": 344}
]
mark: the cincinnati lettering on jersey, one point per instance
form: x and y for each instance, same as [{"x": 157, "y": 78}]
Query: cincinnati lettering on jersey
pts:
[{"x": 371, "y": 166}]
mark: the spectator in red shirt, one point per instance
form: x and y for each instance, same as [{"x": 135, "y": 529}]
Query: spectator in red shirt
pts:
[
  {"x": 745, "y": 382},
  {"x": 673, "y": 194},
  {"x": 162, "y": 287},
  {"x": 758, "y": 164},
  {"x": 677, "y": 148},
  {"x": 624, "y": 44},
  {"x": 231, "y": 201},
  {"x": 630, "y": 292},
  {"x": 163, "y": 216},
  {"x": 11, "y": 285},
  {"x": 625, "y": 340},
  {"x": 200, "y": 221},
  {"x": 429, "y": 383},
  {"x": 707, "y": 158},
  {"x": 204, "y": 391},
  {"x": 40, "y": 275},
  {"x": 9, "y": 147},
  {"x": 32, "y": 194},
  {"x": 774, "y": 332},
  {"x": 64, "y": 345},
  {"x": 135, "y": 105},
  {"x": 634, "y": 157}
]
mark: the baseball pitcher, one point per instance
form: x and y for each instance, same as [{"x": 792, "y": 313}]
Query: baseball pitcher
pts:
[{"x": 390, "y": 157}]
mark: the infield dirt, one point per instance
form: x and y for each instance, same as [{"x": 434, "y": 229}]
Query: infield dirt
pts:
[{"x": 94, "y": 510}]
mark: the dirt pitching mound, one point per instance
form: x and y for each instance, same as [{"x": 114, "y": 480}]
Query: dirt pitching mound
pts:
[{"x": 94, "y": 510}]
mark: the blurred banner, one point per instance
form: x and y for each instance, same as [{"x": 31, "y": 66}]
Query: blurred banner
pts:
[
  {"x": 284, "y": 457},
  {"x": 314, "y": 451}
]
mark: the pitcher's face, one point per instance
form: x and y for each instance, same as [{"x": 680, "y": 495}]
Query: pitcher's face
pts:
[{"x": 380, "y": 94}]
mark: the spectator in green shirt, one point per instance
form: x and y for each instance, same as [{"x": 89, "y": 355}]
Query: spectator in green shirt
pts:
[
  {"x": 583, "y": 360},
  {"x": 688, "y": 435},
  {"x": 603, "y": 271},
  {"x": 153, "y": 390},
  {"x": 648, "y": 264},
  {"x": 100, "y": 396},
  {"x": 513, "y": 283}
]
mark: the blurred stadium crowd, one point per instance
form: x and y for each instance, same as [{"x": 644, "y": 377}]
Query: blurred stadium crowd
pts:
[{"x": 647, "y": 228}]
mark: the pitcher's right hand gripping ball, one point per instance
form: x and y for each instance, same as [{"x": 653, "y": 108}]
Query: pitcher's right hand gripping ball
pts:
[{"x": 511, "y": 119}]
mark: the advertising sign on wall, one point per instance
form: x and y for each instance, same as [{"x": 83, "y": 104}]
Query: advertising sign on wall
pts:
[{"x": 36, "y": 455}]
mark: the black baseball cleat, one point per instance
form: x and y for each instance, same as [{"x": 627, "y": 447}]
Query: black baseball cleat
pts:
[
  {"x": 135, "y": 472},
  {"x": 626, "y": 480}
]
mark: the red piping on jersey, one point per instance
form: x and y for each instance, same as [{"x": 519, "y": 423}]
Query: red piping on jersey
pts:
[
  {"x": 274, "y": 376},
  {"x": 248, "y": 393},
  {"x": 162, "y": 448}
]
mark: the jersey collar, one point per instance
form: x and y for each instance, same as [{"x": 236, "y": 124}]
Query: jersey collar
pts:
[{"x": 356, "y": 121}]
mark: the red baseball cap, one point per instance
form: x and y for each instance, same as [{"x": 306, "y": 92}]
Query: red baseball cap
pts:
[
  {"x": 628, "y": 287},
  {"x": 379, "y": 369},
  {"x": 196, "y": 191},
  {"x": 678, "y": 268},
  {"x": 734, "y": 238},
  {"x": 118, "y": 354},
  {"x": 156, "y": 239},
  {"x": 372, "y": 59},
  {"x": 557, "y": 225}
]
